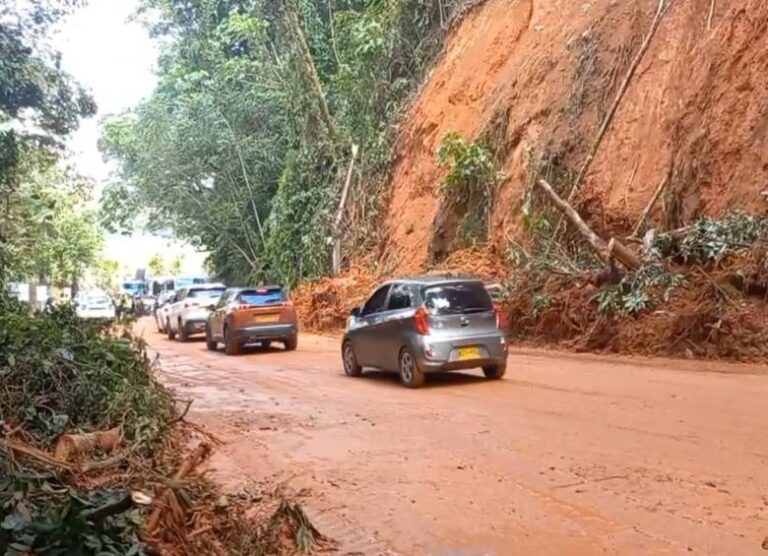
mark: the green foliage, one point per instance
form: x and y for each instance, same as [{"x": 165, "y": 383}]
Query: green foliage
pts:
[
  {"x": 49, "y": 234},
  {"x": 43, "y": 517},
  {"x": 470, "y": 167},
  {"x": 470, "y": 183},
  {"x": 638, "y": 291},
  {"x": 709, "y": 240},
  {"x": 156, "y": 265},
  {"x": 61, "y": 374},
  {"x": 232, "y": 152},
  {"x": 39, "y": 105}
]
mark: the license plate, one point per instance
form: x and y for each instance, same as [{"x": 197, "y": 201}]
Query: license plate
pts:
[
  {"x": 469, "y": 353},
  {"x": 266, "y": 318}
]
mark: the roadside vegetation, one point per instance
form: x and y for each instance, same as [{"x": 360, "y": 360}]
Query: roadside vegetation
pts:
[{"x": 244, "y": 147}]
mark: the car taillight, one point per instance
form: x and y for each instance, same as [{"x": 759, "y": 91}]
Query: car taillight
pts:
[
  {"x": 288, "y": 303},
  {"x": 420, "y": 321},
  {"x": 497, "y": 314}
]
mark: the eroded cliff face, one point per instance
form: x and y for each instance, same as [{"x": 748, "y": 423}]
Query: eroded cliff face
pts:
[{"x": 534, "y": 79}]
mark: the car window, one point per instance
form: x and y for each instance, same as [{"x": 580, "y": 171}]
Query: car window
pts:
[
  {"x": 376, "y": 302},
  {"x": 207, "y": 293},
  {"x": 262, "y": 296},
  {"x": 458, "y": 298},
  {"x": 400, "y": 298},
  {"x": 224, "y": 299}
]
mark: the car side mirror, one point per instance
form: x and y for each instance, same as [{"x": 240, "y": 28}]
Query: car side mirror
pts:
[{"x": 355, "y": 312}]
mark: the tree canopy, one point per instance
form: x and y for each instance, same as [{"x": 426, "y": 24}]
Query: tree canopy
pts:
[
  {"x": 243, "y": 146},
  {"x": 43, "y": 231}
]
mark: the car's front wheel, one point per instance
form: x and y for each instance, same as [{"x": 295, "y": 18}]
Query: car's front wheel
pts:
[
  {"x": 351, "y": 366},
  {"x": 494, "y": 372},
  {"x": 183, "y": 333},
  {"x": 410, "y": 374}
]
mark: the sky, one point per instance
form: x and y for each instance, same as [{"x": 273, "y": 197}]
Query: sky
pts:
[{"x": 115, "y": 59}]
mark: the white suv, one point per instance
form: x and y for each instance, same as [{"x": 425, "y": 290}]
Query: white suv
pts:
[{"x": 188, "y": 315}]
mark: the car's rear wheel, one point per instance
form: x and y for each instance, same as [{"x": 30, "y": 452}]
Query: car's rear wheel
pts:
[
  {"x": 183, "y": 334},
  {"x": 169, "y": 330},
  {"x": 210, "y": 343},
  {"x": 266, "y": 344},
  {"x": 410, "y": 374},
  {"x": 231, "y": 345},
  {"x": 494, "y": 372},
  {"x": 292, "y": 343},
  {"x": 351, "y": 366}
]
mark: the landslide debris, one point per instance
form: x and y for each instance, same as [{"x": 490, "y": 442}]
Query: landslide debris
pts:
[{"x": 95, "y": 457}]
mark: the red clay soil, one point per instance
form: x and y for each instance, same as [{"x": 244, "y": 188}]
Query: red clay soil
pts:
[
  {"x": 545, "y": 74},
  {"x": 533, "y": 80}
]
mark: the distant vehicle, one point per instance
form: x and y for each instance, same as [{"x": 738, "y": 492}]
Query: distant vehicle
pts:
[
  {"x": 94, "y": 305},
  {"x": 250, "y": 315},
  {"x": 163, "y": 307},
  {"x": 185, "y": 281},
  {"x": 426, "y": 325},
  {"x": 132, "y": 287},
  {"x": 188, "y": 314}
]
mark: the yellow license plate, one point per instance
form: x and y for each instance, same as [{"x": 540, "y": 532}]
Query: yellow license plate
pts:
[
  {"x": 469, "y": 353},
  {"x": 266, "y": 318}
]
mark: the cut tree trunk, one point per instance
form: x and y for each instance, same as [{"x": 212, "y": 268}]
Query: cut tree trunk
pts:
[{"x": 71, "y": 446}]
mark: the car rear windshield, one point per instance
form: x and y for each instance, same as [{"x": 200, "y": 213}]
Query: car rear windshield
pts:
[
  {"x": 265, "y": 296},
  {"x": 206, "y": 293},
  {"x": 459, "y": 298}
]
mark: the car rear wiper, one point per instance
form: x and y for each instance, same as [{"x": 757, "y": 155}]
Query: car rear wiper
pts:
[{"x": 475, "y": 310}]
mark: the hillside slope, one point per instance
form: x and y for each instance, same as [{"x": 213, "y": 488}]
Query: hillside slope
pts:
[{"x": 538, "y": 76}]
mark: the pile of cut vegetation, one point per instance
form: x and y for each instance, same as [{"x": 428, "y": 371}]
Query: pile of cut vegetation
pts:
[
  {"x": 96, "y": 459},
  {"x": 700, "y": 292}
]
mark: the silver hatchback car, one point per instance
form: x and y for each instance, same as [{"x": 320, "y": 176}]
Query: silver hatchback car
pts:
[{"x": 426, "y": 325}]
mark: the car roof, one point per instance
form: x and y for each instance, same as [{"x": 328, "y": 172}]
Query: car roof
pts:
[
  {"x": 434, "y": 279},
  {"x": 247, "y": 288},
  {"x": 204, "y": 287}
]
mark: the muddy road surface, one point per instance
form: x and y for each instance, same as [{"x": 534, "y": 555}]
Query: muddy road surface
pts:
[{"x": 567, "y": 455}]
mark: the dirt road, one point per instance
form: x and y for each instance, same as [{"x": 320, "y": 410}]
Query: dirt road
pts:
[{"x": 567, "y": 455}]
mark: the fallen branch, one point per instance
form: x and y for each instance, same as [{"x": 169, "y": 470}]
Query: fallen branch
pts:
[
  {"x": 568, "y": 211},
  {"x": 649, "y": 207},
  {"x": 614, "y": 249},
  {"x": 711, "y": 15},
  {"x": 660, "y": 11},
  {"x": 35, "y": 454},
  {"x": 166, "y": 498}
]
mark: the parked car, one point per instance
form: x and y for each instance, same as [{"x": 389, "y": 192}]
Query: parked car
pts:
[
  {"x": 252, "y": 315},
  {"x": 188, "y": 314},
  {"x": 163, "y": 307},
  {"x": 94, "y": 305},
  {"x": 426, "y": 325}
]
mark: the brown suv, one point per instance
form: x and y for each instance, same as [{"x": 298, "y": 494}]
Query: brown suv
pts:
[{"x": 252, "y": 315}]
